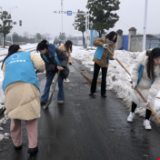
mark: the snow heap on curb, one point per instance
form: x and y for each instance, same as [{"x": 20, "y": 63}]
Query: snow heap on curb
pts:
[
  {"x": 4, "y": 121},
  {"x": 117, "y": 78}
]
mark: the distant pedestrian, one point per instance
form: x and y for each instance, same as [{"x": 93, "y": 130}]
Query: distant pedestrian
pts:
[
  {"x": 22, "y": 94},
  {"x": 67, "y": 49},
  {"x": 101, "y": 59},
  {"x": 146, "y": 76}
]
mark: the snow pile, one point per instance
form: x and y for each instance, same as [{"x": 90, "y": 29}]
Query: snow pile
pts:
[
  {"x": 117, "y": 78},
  {"x": 4, "y": 121}
]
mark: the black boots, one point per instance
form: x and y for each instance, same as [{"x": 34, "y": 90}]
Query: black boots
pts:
[
  {"x": 32, "y": 151},
  {"x": 18, "y": 147},
  {"x": 103, "y": 95},
  {"x": 91, "y": 94}
]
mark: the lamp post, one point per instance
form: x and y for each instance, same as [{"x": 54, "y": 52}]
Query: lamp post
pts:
[
  {"x": 11, "y": 16},
  {"x": 1, "y": 33},
  {"x": 62, "y": 14},
  {"x": 145, "y": 23}
]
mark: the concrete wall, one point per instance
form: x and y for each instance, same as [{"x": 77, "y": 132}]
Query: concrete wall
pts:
[
  {"x": 119, "y": 39},
  {"x": 136, "y": 43},
  {"x": 132, "y": 32}
]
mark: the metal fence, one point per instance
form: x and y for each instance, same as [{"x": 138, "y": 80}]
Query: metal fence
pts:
[{"x": 152, "y": 43}]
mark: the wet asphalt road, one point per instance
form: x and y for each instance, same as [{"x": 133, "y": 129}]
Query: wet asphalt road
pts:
[{"x": 86, "y": 128}]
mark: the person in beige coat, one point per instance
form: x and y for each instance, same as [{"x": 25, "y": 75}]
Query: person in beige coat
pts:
[
  {"x": 67, "y": 48},
  {"x": 101, "y": 59},
  {"x": 22, "y": 94}
]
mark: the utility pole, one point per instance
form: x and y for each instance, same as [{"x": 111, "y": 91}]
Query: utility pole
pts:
[
  {"x": 62, "y": 14},
  {"x": 145, "y": 24},
  {"x": 11, "y": 16}
]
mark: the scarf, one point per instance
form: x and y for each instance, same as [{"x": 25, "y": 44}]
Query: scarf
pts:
[{"x": 110, "y": 43}]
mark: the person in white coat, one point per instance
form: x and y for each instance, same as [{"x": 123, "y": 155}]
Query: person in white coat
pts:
[{"x": 146, "y": 76}]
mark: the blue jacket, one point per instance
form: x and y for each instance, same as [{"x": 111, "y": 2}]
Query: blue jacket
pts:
[{"x": 19, "y": 67}]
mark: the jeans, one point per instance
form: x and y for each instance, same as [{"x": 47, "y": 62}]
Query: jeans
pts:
[
  {"x": 95, "y": 76},
  {"x": 60, "y": 96}
]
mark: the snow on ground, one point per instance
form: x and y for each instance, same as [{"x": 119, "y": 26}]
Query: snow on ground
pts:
[{"x": 117, "y": 78}]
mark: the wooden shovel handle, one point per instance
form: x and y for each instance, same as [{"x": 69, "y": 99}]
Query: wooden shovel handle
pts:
[{"x": 123, "y": 66}]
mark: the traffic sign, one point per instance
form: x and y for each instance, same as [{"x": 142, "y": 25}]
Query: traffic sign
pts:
[{"x": 69, "y": 13}]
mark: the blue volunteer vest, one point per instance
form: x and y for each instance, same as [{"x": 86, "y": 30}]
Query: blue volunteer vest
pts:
[
  {"x": 140, "y": 71},
  {"x": 99, "y": 52},
  {"x": 19, "y": 67}
]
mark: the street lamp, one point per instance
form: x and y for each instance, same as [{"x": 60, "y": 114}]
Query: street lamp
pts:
[
  {"x": 12, "y": 8},
  {"x": 145, "y": 23},
  {"x": 11, "y": 16}
]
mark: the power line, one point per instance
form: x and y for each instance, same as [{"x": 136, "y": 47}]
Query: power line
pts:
[{"x": 125, "y": 24}]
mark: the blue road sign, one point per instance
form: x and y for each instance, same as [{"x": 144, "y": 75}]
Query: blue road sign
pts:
[{"x": 69, "y": 13}]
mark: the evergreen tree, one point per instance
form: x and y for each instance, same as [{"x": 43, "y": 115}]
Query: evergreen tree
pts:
[
  {"x": 101, "y": 15},
  {"x": 79, "y": 23},
  {"x": 5, "y": 25},
  {"x": 38, "y": 36}
]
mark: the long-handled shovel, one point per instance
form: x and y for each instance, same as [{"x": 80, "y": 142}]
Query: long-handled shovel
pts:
[
  {"x": 54, "y": 87},
  {"x": 140, "y": 93},
  {"x": 85, "y": 76}
]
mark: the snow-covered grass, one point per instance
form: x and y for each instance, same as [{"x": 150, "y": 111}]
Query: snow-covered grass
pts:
[{"x": 117, "y": 78}]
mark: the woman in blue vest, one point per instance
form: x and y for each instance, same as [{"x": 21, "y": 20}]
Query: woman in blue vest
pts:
[
  {"x": 22, "y": 94},
  {"x": 55, "y": 60},
  {"x": 146, "y": 76},
  {"x": 101, "y": 59}
]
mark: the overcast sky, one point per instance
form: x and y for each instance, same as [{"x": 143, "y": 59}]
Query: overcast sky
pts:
[{"x": 38, "y": 16}]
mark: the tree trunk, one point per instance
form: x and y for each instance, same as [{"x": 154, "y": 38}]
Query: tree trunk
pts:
[
  {"x": 100, "y": 35},
  {"x": 83, "y": 39},
  {"x": 4, "y": 41}
]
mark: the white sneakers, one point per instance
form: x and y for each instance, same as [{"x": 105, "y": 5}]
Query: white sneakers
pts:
[
  {"x": 66, "y": 80},
  {"x": 146, "y": 122},
  {"x": 130, "y": 117}
]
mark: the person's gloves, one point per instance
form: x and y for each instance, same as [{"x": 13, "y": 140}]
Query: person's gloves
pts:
[
  {"x": 70, "y": 63},
  {"x": 134, "y": 85},
  {"x": 105, "y": 45},
  {"x": 148, "y": 101}
]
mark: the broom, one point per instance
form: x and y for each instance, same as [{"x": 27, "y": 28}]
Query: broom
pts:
[
  {"x": 140, "y": 92},
  {"x": 85, "y": 76}
]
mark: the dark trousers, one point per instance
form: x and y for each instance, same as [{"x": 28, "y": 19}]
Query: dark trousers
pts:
[
  {"x": 95, "y": 76},
  {"x": 148, "y": 112}
]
